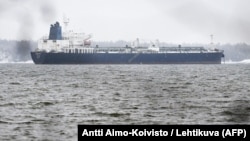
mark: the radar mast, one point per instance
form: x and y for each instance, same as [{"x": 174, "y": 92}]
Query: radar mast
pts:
[{"x": 66, "y": 22}]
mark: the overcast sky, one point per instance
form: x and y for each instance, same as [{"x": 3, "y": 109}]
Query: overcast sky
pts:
[{"x": 173, "y": 21}]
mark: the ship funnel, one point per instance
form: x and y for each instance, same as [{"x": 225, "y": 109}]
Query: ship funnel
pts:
[{"x": 55, "y": 32}]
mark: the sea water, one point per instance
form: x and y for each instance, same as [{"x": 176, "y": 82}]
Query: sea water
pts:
[{"x": 47, "y": 102}]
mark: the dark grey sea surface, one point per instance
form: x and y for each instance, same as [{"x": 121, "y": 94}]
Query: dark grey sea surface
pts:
[{"x": 47, "y": 102}]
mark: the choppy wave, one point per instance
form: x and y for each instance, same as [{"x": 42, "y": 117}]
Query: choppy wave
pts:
[
  {"x": 246, "y": 61},
  {"x": 6, "y": 58},
  {"x": 11, "y": 62}
]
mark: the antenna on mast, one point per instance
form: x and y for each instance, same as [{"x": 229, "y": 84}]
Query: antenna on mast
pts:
[
  {"x": 212, "y": 38},
  {"x": 66, "y": 22}
]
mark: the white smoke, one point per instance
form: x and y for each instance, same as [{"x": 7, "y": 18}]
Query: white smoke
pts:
[{"x": 5, "y": 56}]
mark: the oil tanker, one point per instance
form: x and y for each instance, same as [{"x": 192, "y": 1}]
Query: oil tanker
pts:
[{"x": 75, "y": 48}]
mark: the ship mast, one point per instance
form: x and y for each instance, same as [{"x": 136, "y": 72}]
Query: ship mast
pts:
[
  {"x": 66, "y": 22},
  {"x": 212, "y": 37}
]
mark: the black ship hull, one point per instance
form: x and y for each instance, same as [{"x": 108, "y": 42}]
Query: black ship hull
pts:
[{"x": 127, "y": 58}]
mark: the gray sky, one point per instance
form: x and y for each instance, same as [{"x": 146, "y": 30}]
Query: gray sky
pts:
[{"x": 173, "y": 21}]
